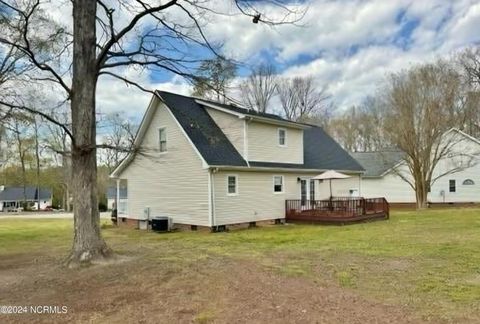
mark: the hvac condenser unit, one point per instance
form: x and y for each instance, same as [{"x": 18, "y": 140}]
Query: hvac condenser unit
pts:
[{"x": 161, "y": 224}]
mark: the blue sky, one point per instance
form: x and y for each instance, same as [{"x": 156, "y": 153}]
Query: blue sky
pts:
[{"x": 348, "y": 46}]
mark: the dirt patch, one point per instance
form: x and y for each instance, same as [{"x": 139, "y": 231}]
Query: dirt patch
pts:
[{"x": 217, "y": 290}]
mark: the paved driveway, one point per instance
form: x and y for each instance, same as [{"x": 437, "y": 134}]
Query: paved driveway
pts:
[{"x": 105, "y": 215}]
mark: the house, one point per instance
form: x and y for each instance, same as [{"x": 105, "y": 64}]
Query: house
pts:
[
  {"x": 208, "y": 164},
  {"x": 384, "y": 171},
  {"x": 12, "y": 198},
  {"x": 112, "y": 196}
]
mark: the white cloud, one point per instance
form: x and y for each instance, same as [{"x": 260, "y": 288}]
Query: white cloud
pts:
[
  {"x": 116, "y": 96},
  {"x": 353, "y": 44},
  {"x": 442, "y": 27}
]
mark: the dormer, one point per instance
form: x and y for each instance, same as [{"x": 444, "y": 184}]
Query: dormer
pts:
[{"x": 259, "y": 137}]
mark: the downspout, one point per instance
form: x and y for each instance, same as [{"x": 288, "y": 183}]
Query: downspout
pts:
[
  {"x": 117, "y": 196},
  {"x": 245, "y": 139},
  {"x": 211, "y": 182}
]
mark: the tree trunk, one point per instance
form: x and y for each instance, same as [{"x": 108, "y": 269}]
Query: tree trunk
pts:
[
  {"x": 88, "y": 244},
  {"x": 37, "y": 157},
  {"x": 21, "y": 155},
  {"x": 421, "y": 195}
]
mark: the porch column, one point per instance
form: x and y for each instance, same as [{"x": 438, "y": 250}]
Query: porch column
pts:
[{"x": 117, "y": 200}]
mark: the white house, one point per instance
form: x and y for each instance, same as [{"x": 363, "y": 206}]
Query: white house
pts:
[
  {"x": 382, "y": 171},
  {"x": 210, "y": 164},
  {"x": 12, "y": 198}
]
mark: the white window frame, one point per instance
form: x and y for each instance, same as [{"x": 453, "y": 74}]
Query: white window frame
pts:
[
  {"x": 164, "y": 128},
  {"x": 285, "y": 137},
  {"x": 236, "y": 185},
  {"x": 283, "y": 184}
]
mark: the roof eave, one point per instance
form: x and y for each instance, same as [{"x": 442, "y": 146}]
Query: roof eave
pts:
[
  {"x": 265, "y": 120},
  {"x": 272, "y": 121},
  {"x": 285, "y": 169}
]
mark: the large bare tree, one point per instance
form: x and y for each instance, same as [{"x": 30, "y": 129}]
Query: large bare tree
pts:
[
  {"x": 360, "y": 128},
  {"x": 301, "y": 99},
  {"x": 259, "y": 87},
  {"x": 214, "y": 79},
  {"x": 118, "y": 140},
  {"x": 469, "y": 61},
  {"x": 20, "y": 126},
  {"x": 423, "y": 104},
  {"x": 105, "y": 38}
]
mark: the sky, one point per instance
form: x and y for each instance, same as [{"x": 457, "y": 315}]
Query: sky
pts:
[{"x": 348, "y": 46}]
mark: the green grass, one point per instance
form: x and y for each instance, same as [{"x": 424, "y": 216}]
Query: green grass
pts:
[{"x": 429, "y": 261}]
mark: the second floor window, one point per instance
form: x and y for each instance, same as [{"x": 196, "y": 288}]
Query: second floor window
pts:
[
  {"x": 162, "y": 135},
  {"x": 282, "y": 137}
]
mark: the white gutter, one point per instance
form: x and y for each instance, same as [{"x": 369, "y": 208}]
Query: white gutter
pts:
[
  {"x": 255, "y": 168},
  {"x": 273, "y": 121}
]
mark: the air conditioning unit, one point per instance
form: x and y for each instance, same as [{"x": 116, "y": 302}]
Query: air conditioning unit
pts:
[{"x": 161, "y": 224}]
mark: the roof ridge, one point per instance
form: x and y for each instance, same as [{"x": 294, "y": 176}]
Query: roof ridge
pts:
[
  {"x": 235, "y": 107},
  {"x": 384, "y": 151}
]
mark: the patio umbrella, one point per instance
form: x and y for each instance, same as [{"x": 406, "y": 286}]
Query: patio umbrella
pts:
[{"x": 329, "y": 175}]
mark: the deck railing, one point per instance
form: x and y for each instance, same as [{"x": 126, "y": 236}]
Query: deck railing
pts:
[{"x": 336, "y": 209}]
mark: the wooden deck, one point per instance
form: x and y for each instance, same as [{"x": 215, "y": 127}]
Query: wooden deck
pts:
[{"x": 340, "y": 210}]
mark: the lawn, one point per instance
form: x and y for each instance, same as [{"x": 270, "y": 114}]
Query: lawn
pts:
[{"x": 415, "y": 267}]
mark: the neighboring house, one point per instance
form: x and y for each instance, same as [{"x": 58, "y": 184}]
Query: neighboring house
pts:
[
  {"x": 382, "y": 171},
  {"x": 112, "y": 196},
  {"x": 210, "y": 164},
  {"x": 12, "y": 198}
]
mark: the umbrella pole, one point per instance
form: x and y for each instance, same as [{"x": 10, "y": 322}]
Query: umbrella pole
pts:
[
  {"x": 331, "y": 207},
  {"x": 330, "y": 189}
]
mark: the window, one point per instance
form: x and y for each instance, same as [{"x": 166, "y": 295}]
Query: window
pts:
[
  {"x": 468, "y": 182},
  {"x": 282, "y": 137},
  {"x": 452, "y": 185},
  {"x": 232, "y": 185},
  {"x": 277, "y": 184},
  {"x": 162, "y": 136}
]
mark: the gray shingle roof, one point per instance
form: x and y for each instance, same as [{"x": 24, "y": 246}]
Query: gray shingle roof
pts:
[
  {"x": 245, "y": 111},
  {"x": 112, "y": 193},
  {"x": 16, "y": 194},
  {"x": 324, "y": 152},
  {"x": 320, "y": 150},
  {"x": 209, "y": 139},
  {"x": 377, "y": 163}
]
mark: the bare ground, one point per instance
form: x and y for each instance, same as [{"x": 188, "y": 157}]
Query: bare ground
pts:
[{"x": 216, "y": 290}]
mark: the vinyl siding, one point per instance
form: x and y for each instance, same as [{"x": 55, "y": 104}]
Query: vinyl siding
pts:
[
  {"x": 440, "y": 189},
  {"x": 263, "y": 144},
  {"x": 396, "y": 190},
  {"x": 390, "y": 186},
  {"x": 256, "y": 200},
  {"x": 232, "y": 127},
  {"x": 172, "y": 184}
]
